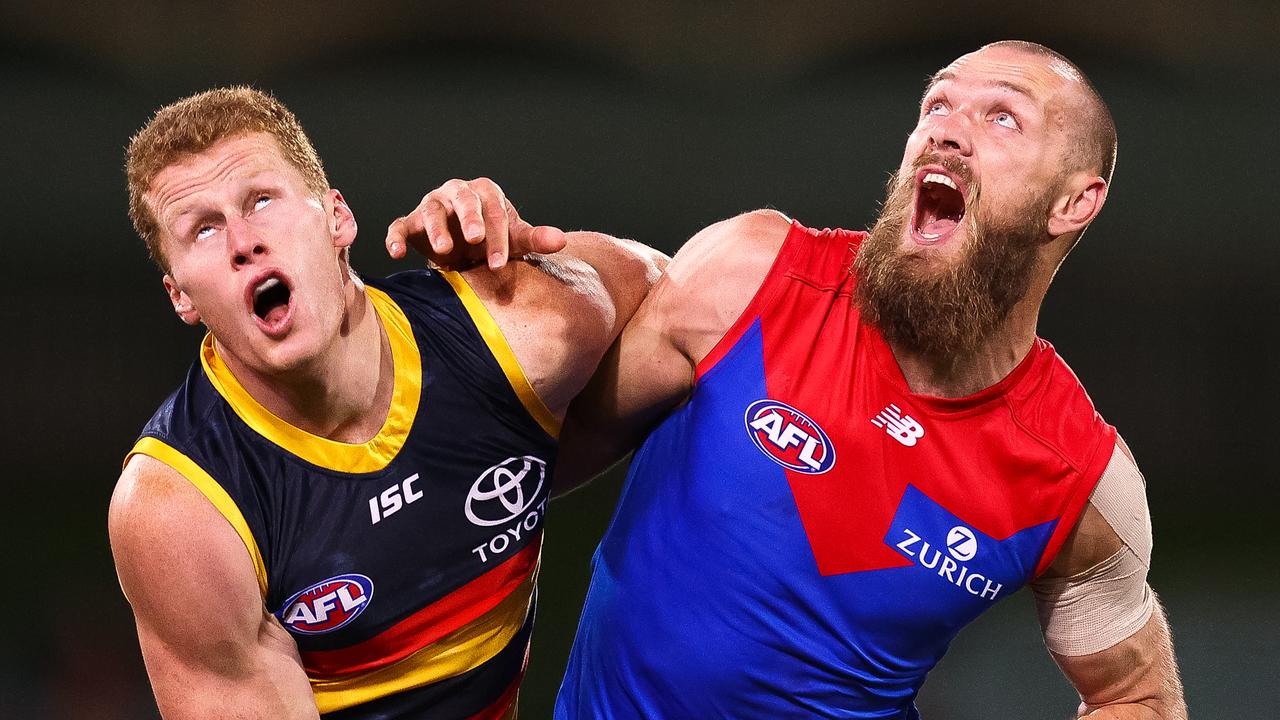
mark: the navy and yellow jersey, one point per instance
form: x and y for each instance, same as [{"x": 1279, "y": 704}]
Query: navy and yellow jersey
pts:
[{"x": 404, "y": 567}]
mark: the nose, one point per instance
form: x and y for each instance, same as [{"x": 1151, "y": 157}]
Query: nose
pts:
[
  {"x": 951, "y": 133},
  {"x": 243, "y": 243}
]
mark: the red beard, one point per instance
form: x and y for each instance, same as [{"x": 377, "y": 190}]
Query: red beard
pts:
[{"x": 949, "y": 312}]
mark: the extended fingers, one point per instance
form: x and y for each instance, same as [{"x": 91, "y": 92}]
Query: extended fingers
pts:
[
  {"x": 463, "y": 222},
  {"x": 464, "y": 202},
  {"x": 494, "y": 210},
  {"x": 400, "y": 232},
  {"x": 526, "y": 238}
]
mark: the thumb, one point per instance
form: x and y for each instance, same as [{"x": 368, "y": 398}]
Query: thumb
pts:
[
  {"x": 526, "y": 238},
  {"x": 547, "y": 239}
]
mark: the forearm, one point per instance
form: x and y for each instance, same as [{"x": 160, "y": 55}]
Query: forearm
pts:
[
  {"x": 1137, "y": 678},
  {"x": 265, "y": 682},
  {"x": 1130, "y": 711}
]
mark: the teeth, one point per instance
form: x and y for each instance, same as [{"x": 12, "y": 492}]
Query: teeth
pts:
[
  {"x": 930, "y": 236},
  {"x": 264, "y": 286},
  {"x": 939, "y": 179}
]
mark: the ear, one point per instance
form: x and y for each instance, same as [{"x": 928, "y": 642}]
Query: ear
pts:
[
  {"x": 1078, "y": 206},
  {"x": 342, "y": 222},
  {"x": 181, "y": 303}
]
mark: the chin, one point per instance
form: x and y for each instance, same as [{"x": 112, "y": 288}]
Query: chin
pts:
[{"x": 932, "y": 257}]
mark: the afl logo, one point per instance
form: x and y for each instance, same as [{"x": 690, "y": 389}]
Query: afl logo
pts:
[
  {"x": 505, "y": 490},
  {"x": 789, "y": 438},
  {"x": 327, "y": 605}
]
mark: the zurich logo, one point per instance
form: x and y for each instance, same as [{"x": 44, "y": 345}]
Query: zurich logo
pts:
[
  {"x": 961, "y": 543},
  {"x": 505, "y": 490},
  {"x": 788, "y": 437},
  {"x": 327, "y": 605}
]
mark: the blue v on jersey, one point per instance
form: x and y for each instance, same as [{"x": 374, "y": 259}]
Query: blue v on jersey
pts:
[
  {"x": 805, "y": 536},
  {"x": 404, "y": 567}
]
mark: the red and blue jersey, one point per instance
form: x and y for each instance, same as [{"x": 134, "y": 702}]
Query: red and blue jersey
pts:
[
  {"x": 805, "y": 536},
  {"x": 404, "y": 567}
]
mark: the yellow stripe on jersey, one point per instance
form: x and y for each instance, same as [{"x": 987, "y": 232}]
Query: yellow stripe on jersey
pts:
[
  {"x": 167, "y": 454},
  {"x": 365, "y": 457},
  {"x": 454, "y": 654},
  {"x": 502, "y": 352}
]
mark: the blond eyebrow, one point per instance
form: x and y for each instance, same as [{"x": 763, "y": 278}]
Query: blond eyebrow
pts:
[{"x": 1007, "y": 85}]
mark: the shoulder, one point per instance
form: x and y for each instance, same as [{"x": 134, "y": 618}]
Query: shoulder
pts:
[
  {"x": 187, "y": 408},
  {"x": 743, "y": 243},
  {"x": 1117, "y": 515},
  {"x": 712, "y": 279},
  {"x": 171, "y": 546},
  {"x": 559, "y": 313},
  {"x": 1053, "y": 406},
  {"x": 622, "y": 265}
]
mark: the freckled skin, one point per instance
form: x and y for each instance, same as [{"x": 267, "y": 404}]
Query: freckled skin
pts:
[{"x": 230, "y": 213}]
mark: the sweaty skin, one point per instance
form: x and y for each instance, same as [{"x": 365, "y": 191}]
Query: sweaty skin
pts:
[
  {"x": 230, "y": 216},
  {"x": 1005, "y": 113}
]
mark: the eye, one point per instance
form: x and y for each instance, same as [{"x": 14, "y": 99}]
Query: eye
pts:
[
  {"x": 1005, "y": 119},
  {"x": 205, "y": 231},
  {"x": 261, "y": 202},
  {"x": 936, "y": 107}
]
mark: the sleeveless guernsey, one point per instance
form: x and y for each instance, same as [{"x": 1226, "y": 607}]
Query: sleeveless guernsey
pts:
[
  {"x": 403, "y": 567},
  {"x": 805, "y": 536}
]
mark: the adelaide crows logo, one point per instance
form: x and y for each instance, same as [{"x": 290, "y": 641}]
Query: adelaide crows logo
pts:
[{"x": 788, "y": 437}]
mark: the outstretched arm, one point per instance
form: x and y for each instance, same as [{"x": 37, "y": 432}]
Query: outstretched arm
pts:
[
  {"x": 230, "y": 659},
  {"x": 1102, "y": 623},
  {"x": 559, "y": 312}
]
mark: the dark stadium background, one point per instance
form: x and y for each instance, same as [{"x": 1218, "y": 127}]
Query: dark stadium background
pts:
[{"x": 649, "y": 120}]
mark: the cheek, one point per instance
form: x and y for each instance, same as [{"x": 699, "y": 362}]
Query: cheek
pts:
[{"x": 915, "y": 142}]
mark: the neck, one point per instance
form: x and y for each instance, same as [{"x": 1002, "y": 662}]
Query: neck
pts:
[
  {"x": 959, "y": 375},
  {"x": 342, "y": 394}
]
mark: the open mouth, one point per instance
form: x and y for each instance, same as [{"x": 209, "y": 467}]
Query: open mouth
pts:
[
  {"x": 940, "y": 205},
  {"x": 270, "y": 302}
]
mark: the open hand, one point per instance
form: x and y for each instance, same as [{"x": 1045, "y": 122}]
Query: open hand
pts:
[{"x": 467, "y": 222}]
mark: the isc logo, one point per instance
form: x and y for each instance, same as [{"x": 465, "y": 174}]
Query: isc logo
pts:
[
  {"x": 789, "y": 437},
  {"x": 327, "y": 605},
  {"x": 389, "y": 501}
]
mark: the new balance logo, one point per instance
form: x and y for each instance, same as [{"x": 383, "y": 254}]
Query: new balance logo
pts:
[{"x": 902, "y": 428}]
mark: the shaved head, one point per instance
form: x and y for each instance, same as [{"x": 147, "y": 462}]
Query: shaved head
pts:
[{"x": 1091, "y": 130}]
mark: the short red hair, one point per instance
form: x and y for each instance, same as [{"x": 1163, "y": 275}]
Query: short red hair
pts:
[{"x": 193, "y": 124}]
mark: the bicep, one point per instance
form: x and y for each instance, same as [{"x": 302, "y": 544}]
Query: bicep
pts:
[
  {"x": 641, "y": 377},
  {"x": 650, "y": 369},
  {"x": 1100, "y": 618},
  {"x": 209, "y": 645}
]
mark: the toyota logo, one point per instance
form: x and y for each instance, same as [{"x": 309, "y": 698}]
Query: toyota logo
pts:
[{"x": 505, "y": 490}]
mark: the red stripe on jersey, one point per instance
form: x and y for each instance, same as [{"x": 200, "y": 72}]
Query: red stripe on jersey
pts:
[
  {"x": 774, "y": 281},
  {"x": 429, "y": 624}
]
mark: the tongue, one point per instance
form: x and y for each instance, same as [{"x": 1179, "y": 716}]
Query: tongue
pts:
[
  {"x": 276, "y": 314},
  {"x": 941, "y": 226}
]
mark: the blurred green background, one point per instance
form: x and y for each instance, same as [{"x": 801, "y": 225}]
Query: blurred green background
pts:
[{"x": 650, "y": 120}]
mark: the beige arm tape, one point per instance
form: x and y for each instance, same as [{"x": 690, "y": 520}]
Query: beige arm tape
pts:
[{"x": 1094, "y": 609}]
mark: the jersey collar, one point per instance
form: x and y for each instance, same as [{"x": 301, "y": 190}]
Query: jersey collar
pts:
[{"x": 370, "y": 456}]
